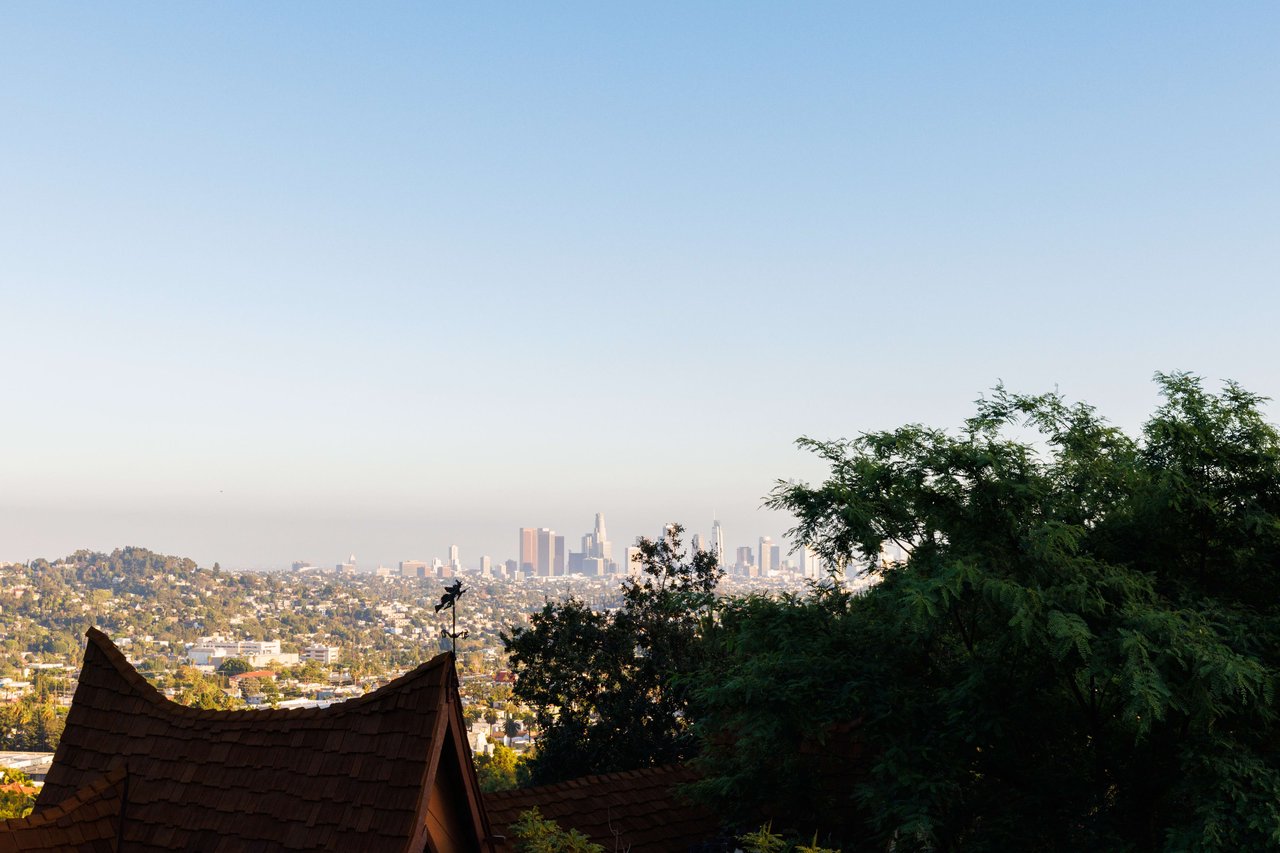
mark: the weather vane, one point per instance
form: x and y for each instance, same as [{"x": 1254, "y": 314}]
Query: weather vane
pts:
[{"x": 452, "y": 592}]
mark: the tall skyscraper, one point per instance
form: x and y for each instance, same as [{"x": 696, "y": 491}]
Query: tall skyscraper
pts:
[
  {"x": 717, "y": 543},
  {"x": 486, "y": 566},
  {"x": 528, "y": 551},
  {"x": 557, "y": 566},
  {"x": 595, "y": 546},
  {"x": 546, "y": 552},
  {"x": 766, "y": 555},
  {"x": 745, "y": 561},
  {"x": 696, "y": 545},
  {"x": 604, "y": 548}
]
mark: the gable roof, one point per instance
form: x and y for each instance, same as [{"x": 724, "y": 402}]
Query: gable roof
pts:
[
  {"x": 359, "y": 775},
  {"x": 86, "y": 822},
  {"x": 640, "y": 810}
]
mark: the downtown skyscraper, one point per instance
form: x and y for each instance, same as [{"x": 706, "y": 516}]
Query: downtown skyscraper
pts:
[{"x": 542, "y": 552}]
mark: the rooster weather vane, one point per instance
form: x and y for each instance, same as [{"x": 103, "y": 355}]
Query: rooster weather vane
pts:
[{"x": 452, "y": 592}]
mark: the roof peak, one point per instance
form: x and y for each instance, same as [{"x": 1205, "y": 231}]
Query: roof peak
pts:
[{"x": 442, "y": 665}]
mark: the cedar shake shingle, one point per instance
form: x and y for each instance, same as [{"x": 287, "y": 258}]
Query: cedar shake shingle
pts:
[{"x": 86, "y": 822}]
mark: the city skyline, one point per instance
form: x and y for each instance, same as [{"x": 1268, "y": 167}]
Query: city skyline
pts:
[{"x": 287, "y": 282}]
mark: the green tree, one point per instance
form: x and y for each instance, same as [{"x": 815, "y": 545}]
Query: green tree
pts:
[
  {"x": 234, "y": 666},
  {"x": 198, "y": 690},
  {"x": 1077, "y": 650},
  {"x": 497, "y": 771},
  {"x": 611, "y": 690},
  {"x": 17, "y": 793},
  {"x": 535, "y": 834}
]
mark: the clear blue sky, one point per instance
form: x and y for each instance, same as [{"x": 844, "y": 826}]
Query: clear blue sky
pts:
[{"x": 286, "y": 281}]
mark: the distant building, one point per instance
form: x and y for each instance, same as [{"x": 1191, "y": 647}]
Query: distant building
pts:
[
  {"x": 454, "y": 562},
  {"x": 745, "y": 561},
  {"x": 320, "y": 654},
  {"x": 486, "y": 566},
  {"x": 809, "y": 564},
  {"x": 766, "y": 555},
  {"x": 634, "y": 566},
  {"x": 717, "y": 543},
  {"x": 512, "y": 569},
  {"x": 299, "y": 565},
  {"x": 213, "y": 651},
  {"x": 413, "y": 568},
  {"x": 529, "y": 551},
  {"x": 546, "y": 551}
]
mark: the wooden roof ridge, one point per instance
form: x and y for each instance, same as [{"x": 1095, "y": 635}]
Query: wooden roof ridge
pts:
[
  {"x": 438, "y": 666},
  {"x": 642, "y": 810},
  {"x": 88, "y": 820},
  {"x": 657, "y": 770},
  {"x": 365, "y": 774}
]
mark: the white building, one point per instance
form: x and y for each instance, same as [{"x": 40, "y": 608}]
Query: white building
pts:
[
  {"x": 320, "y": 654},
  {"x": 212, "y": 651}
]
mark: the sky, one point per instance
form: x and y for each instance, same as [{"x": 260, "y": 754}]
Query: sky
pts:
[{"x": 298, "y": 280}]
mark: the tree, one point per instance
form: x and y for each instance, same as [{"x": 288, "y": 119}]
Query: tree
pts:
[
  {"x": 234, "y": 666},
  {"x": 536, "y": 834},
  {"x": 17, "y": 793},
  {"x": 196, "y": 689},
  {"x": 610, "y": 690},
  {"x": 1077, "y": 651},
  {"x": 497, "y": 771}
]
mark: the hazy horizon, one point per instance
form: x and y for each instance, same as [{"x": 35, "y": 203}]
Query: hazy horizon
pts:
[{"x": 294, "y": 281}]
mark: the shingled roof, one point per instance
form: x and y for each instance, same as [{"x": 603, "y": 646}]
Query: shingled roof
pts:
[
  {"x": 86, "y": 822},
  {"x": 389, "y": 771},
  {"x": 640, "y": 810}
]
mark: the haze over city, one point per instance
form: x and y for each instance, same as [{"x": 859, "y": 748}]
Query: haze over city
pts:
[{"x": 294, "y": 282}]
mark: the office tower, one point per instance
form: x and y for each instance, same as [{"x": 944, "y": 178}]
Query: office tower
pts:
[
  {"x": 594, "y": 566},
  {"x": 512, "y": 568},
  {"x": 766, "y": 555},
  {"x": 775, "y": 560},
  {"x": 528, "y": 550},
  {"x": 454, "y": 562},
  {"x": 486, "y": 566},
  {"x": 745, "y": 560},
  {"x": 633, "y": 566},
  {"x": 717, "y": 542},
  {"x": 596, "y": 543},
  {"x": 808, "y": 562},
  {"x": 604, "y": 548},
  {"x": 546, "y": 552},
  {"x": 557, "y": 567}
]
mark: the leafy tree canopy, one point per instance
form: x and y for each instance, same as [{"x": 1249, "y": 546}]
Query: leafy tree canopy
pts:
[
  {"x": 1078, "y": 651},
  {"x": 611, "y": 689},
  {"x": 234, "y": 666},
  {"x": 536, "y": 834}
]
